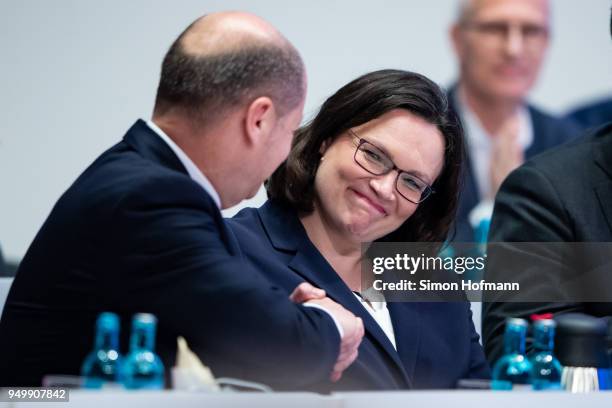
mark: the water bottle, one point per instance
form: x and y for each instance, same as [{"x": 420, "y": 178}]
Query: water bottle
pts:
[
  {"x": 546, "y": 372},
  {"x": 143, "y": 369},
  {"x": 513, "y": 369},
  {"x": 103, "y": 365}
]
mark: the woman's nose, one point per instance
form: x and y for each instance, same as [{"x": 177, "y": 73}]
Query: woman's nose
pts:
[{"x": 384, "y": 185}]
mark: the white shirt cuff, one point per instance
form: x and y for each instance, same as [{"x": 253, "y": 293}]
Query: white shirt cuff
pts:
[{"x": 317, "y": 306}]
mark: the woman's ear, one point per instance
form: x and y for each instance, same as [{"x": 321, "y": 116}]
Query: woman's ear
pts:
[{"x": 324, "y": 146}]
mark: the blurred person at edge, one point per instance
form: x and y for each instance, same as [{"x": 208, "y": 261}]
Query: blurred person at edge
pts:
[
  {"x": 141, "y": 229},
  {"x": 563, "y": 195},
  {"x": 341, "y": 187},
  {"x": 500, "y": 47}
]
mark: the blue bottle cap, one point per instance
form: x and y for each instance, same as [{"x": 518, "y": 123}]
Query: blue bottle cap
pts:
[
  {"x": 146, "y": 318},
  {"x": 108, "y": 321},
  {"x": 545, "y": 323},
  {"x": 515, "y": 321}
]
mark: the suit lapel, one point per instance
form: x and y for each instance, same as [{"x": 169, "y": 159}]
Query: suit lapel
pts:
[
  {"x": 150, "y": 145},
  {"x": 407, "y": 326},
  {"x": 146, "y": 142},
  {"x": 287, "y": 233},
  {"x": 309, "y": 264}
]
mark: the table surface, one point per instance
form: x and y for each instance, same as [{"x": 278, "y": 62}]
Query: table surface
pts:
[{"x": 433, "y": 399}]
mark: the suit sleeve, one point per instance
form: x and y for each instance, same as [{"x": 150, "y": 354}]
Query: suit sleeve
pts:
[
  {"x": 182, "y": 268},
  {"x": 527, "y": 209}
]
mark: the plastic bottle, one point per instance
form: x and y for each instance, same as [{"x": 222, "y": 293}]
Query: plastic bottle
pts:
[
  {"x": 513, "y": 369},
  {"x": 546, "y": 374},
  {"x": 103, "y": 364},
  {"x": 143, "y": 369}
]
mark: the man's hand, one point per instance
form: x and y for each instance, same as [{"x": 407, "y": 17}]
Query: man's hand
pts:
[
  {"x": 353, "y": 333},
  {"x": 351, "y": 325},
  {"x": 305, "y": 292},
  {"x": 506, "y": 154}
]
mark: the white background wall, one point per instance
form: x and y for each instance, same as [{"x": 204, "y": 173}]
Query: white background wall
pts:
[{"x": 75, "y": 74}]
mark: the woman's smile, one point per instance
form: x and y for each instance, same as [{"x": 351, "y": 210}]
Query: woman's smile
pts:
[{"x": 371, "y": 204}]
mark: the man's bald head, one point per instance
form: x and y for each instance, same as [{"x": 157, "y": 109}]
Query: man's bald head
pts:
[
  {"x": 224, "y": 59},
  {"x": 229, "y": 31}
]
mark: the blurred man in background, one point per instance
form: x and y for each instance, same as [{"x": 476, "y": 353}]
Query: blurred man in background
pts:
[{"x": 500, "y": 46}]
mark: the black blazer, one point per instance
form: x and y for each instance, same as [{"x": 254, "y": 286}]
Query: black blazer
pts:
[
  {"x": 135, "y": 233},
  {"x": 436, "y": 342},
  {"x": 548, "y": 132},
  {"x": 564, "y": 195}
]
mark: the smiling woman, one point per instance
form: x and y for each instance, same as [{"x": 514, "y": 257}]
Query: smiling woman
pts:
[
  {"x": 419, "y": 122},
  {"x": 380, "y": 161},
  {"x": 373, "y": 198}
]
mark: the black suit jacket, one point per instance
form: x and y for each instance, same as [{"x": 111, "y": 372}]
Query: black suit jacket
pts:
[
  {"x": 135, "y": 233},
  {"x": 436, "y": 342},
  {"x": 564, "y": 195},
  {"x": 548, "y": 132}
]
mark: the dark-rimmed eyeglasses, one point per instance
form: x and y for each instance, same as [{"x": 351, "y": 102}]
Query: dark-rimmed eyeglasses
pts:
[{"x": 373, "y": 160}]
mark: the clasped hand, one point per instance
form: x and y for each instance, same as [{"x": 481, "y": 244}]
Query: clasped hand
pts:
[{"x": 351, "y": 325}]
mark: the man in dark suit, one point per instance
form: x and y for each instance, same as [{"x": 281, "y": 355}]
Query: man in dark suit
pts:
[
  {"x": 434, "y": 343},
  {"x": 564, "y": 195},
  {"x": 500, "y": 46},
  {"x": 141, "y": 230}
]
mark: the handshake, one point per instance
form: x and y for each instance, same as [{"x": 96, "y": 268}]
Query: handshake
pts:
[{"x": 352, "y": 325}]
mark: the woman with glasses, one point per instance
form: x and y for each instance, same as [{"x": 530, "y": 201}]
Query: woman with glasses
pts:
[{"x": 380, "y": 161}]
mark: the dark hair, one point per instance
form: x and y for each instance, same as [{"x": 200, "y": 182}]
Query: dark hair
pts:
[
  {"x": 362, "y": 100},
  {"x": 214, "y": 82}
]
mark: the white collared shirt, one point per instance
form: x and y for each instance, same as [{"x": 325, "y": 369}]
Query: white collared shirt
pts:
[
  {"x": 480, "y": 145},
  {"x": 194, "y": 172},
  {"x": 379, "y": 312}
]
